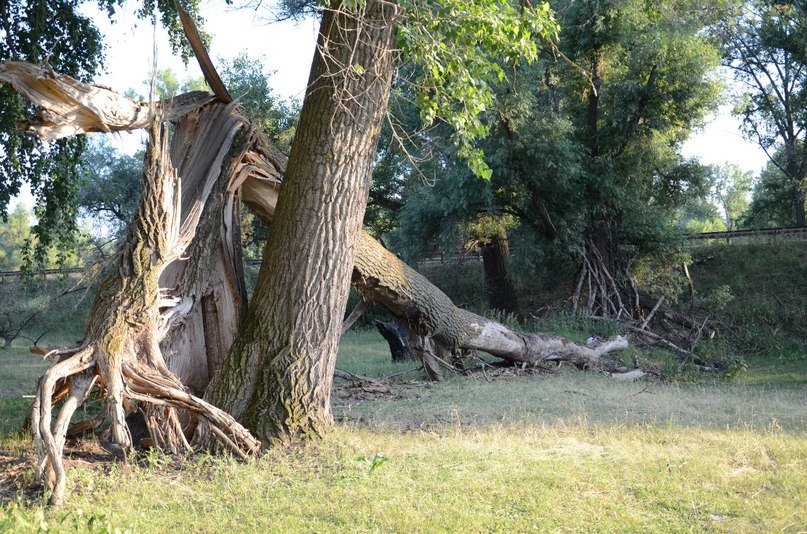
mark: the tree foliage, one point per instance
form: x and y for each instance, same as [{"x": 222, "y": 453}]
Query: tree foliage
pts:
[
  {"x": 765, "y": 43},
  {"x": 771, "y": 200},
  {"x": 587, "y": 144},
  {"x": 247, "y": 80},
  {"x": 731, "y": 187},
  {"x": 109, "y": 185},
  {"x": 462, "y": 50}
]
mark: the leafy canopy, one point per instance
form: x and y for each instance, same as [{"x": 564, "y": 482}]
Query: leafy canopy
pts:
[{"x": 462, "y": 49}]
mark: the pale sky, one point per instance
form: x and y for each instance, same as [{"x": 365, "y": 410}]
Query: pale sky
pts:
[{"x": 287, "y": 48}]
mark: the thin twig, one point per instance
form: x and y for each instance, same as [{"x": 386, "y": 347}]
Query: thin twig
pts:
[
  {"x": 355, "y": 314},
  {"x": 347, "y": 375},
  {"x": 403, "y": 373},
  {"x": 652, "y": 313}
]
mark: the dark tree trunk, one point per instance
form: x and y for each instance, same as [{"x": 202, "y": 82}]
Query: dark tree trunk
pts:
[
  {"x": 800, "y": 199},
  {"x": 795, "y": 174},
  {"x": 593, "y": 108},
  {"x": 499, "y": 288},
  {"x": 398, "y": 339},
  {"x": 278, "y": 377}
]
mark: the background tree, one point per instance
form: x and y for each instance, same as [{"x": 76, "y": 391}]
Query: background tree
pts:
[
  {"x": 590, "y": 162},
  {"x": 247, "y": 80},
  {"x": 699, "y": 214},
  {"x": 731, "y": 187},
  {"x": 771, "y": 200},
  {"x": 765, "y": 43},
  {"x": 109, "y": 185},
  {"x": 15, "y": 234}
]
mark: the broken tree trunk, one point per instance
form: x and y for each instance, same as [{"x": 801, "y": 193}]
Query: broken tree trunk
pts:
[
  {"x": 378, "y": 274},
  {"x": 132, "y": 312}
]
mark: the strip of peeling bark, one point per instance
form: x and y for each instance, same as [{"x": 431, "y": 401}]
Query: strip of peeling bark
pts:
[
  {"x": 379, "y": 275},
  {"x": 69, "y": 107}
]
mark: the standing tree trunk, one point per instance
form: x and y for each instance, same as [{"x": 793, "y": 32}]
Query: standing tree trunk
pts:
[
  {"x": 498, "y": 286},
  {"x": 277, "y": 379}
]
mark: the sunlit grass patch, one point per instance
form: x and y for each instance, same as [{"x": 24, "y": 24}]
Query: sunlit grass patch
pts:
[
  {"x": 496, "y": 478},
  {"x": 556, "y": 451}
]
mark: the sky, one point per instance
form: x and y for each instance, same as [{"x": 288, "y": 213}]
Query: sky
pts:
[{"x": 286, "y": 49}]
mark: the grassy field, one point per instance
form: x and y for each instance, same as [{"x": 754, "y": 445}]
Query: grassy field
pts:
[{"x": 552, "y": 451}]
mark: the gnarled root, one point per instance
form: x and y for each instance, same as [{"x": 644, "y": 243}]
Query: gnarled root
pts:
[
  {"x": 50, "y": 438},
  {"x": 158, "y": 395}
]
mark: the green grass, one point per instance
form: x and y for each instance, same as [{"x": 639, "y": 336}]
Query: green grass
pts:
[
  {"x": 19, "y": 371},
  {"x": 568, "y": 451},
  {"x": 766, "y": 315},
  {"x": 365, "y": 353},
  {"x": 501, "y": 478}
]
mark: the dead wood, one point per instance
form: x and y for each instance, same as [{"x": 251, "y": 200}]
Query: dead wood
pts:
[
  {"x": 70, "y": 107},
  {"x": 361, "y": 306},
  {"x": 132, "y": 312}
]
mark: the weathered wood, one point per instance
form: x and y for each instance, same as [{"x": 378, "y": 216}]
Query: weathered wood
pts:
[
  {"x": 70, "y": 107},
  {"x": 132, "y": 312}
]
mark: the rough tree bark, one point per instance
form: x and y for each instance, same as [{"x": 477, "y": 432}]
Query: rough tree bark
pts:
[
  {"x": 278, "y": 377},
  {"x": 498, "y": 286},
  {"x": 132, "y": 311},
  {"x": 130, "y": 315}
]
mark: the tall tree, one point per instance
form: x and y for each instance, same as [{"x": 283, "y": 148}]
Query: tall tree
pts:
[
  {"x": 590, "y": 161},
  {"x": 771, "y": 200},
  {"x": 766, "y": 46},
  {"x": 731, "y": 187},
  {"x": 278, "y": 376}
]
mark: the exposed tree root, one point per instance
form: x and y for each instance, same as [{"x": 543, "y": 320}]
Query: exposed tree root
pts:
[{"x": 159, "y": 395}]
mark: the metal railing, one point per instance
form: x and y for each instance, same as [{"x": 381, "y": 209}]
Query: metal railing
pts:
[{"x": 793, "y": 231}]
